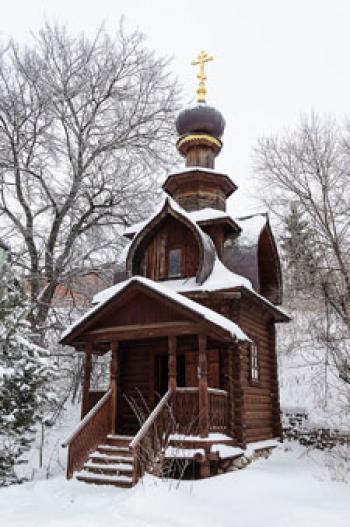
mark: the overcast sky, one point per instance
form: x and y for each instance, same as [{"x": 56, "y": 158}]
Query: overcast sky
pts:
[{"x": 274, "y": 59}]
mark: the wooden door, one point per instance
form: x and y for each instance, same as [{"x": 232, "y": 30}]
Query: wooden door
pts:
[{"x": 213, "y": 358}]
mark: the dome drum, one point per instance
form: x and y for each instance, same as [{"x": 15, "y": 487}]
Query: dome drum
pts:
[{"x": 199, "y": 149}]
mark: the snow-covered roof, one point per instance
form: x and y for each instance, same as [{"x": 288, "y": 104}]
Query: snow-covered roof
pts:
[
  {"x": 209, "y": 214},
  {"x": 197, "y": 216},
  {"x": 136, "y": 227},
  {"x": 252, "y": 227},
  {"x": 220, "y": 278},
  {"x": 208, "y": 314},
  {"x": 197, "y": 169}
]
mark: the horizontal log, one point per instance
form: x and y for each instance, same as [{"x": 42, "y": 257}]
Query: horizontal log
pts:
[
  {"x": 265, "y": 415},
  {"x": 259, "y": 425}
]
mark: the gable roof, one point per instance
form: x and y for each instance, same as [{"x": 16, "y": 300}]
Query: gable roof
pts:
[
  {"x": 110, "y": 294},
  {"x": 207, "y": 251}
]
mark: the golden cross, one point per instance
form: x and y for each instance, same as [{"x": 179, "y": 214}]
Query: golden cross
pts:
[{"x": 202, "y": 58}]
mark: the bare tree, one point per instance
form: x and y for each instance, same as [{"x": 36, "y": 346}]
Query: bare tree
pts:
[
  {"x": 85, "y": 125},
  {"x": 310, "y": 165}
]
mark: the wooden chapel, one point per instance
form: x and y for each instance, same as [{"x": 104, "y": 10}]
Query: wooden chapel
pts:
[{"x": 191, "y": 329}]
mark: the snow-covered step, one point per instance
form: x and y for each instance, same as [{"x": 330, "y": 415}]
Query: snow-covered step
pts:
[
  {"x": 109, "y": 467},
  {"x": 116, "y": 436},
  {"x": 106, "y": 458},
  {"x": 111, "y": 449},
  {"x": 114, "y": 448},
  {"x": 101, "y": 457},
  {"x": 118, "y": 440},
  {"x": 103, "y": 479}
]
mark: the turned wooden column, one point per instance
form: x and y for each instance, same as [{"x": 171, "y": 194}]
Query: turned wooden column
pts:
[
  {"x": 171, "y": 364},
  {"x": 86, "y": 380},
  {"x": 113, "y": 382},
  {"x": 203, "y": 387}
]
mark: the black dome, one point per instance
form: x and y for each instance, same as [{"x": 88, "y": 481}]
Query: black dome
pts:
[{"x": 202, "y": 119}]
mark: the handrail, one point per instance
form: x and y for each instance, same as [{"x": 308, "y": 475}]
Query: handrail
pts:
[
  {"x": 187, "y": 389},
  {"x": 89, "y": 433},
  {"x": 87, "y": 418},
  {"x": 216, "y": 391},
  {"x": 150, "y": 420},
  {"x": 149, "y": 442},
  {"x": 194, "y": 389}
]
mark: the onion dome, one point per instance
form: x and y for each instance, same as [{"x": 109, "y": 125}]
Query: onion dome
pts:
[
  {"x": 201, "y": 126},
  {"x": 202, "y": 119}
]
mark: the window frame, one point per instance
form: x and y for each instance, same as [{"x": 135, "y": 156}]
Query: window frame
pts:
[
  {"x": 179, "y": 274},
  {"x": 254, "y": 363}
]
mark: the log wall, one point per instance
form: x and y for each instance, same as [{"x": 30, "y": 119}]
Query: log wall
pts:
[
  {"x": 260, "y": 398},
  {"x": 254, "y": 411}
]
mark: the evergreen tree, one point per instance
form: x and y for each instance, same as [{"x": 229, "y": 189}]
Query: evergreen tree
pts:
[
  {"x": 299, "y": 250},
  {"x": 24, "y": 373}
]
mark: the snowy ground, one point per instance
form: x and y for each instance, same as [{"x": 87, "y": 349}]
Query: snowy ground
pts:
[{"x": 291, "y": 489}]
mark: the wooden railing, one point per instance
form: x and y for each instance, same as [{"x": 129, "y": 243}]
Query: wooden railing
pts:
[
  {"x": 148, "y": 444},
  {"x": 217, "y": 410},
  {"x": 186, "y": 410},
  {"x": 89, "y": 433}
]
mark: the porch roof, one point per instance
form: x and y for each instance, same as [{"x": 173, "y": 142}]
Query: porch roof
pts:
[{"x": 205, "y": 314}]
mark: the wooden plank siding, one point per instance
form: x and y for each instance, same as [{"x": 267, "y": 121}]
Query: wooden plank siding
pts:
[
  {"x": 170, "y": 234},
  {"x": 260, "y": 402}
]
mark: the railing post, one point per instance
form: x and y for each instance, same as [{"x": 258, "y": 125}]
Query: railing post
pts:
[
  {"x": 239, "y": 381},
  {"x": 203, "y": 401},
  {"x": 69, "y": 472},
  {"x": 171, "y": 364},
  {"x": 113, "y": 383},
  {"x": 86, "y": 380}
]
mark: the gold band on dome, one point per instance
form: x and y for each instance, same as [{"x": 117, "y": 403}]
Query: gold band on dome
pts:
[{"x": 194, "y": 137}]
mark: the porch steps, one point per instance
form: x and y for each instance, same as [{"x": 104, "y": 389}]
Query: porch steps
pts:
[
  {"x": 111, "y": 464},
  {"x": 98, "y": 457},
  {"x": 103, "y": 479},
  {"x": 114, "y": 450}
]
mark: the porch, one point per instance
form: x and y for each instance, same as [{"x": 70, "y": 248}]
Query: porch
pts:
[
  {"x": 188, "y": 410},
  {"x": 174, "y": 420},
  {"x": 169, "y": 354}
]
